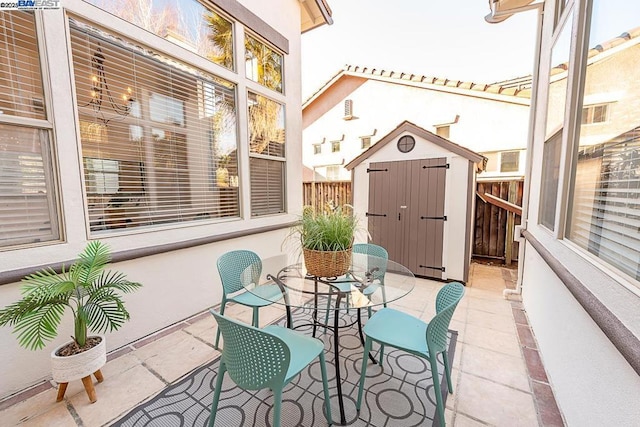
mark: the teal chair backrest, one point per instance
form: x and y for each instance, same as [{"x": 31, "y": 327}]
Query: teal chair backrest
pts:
[
  {"x": 254, "y": 359},
  {"x": 374, "y": 251},
  {"x": 232, "y": 266},
  {"x": 446, "y": 302}
]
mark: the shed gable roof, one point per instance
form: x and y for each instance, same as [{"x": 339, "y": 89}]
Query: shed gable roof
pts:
[{"x": 416, "y": 130}]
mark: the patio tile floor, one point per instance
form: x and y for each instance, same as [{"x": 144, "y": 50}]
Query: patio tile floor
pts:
[{"x": 497, "y": 373}]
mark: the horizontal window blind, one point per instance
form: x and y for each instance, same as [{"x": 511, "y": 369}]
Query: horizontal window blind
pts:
[
  {"x": 27, "y": 208},
  {"x": 267, "y": 183},
  {"x": 158, "y": 136},
  {"x": 606, "y": 206},
  {"x": 21, "y": 92},
  {"x": 28, "y": 212},
  {"x": 266, "y": 151}
]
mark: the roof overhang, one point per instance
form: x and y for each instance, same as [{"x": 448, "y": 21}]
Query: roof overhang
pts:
[
  {"x": 314, "y": 13},
  {"x": 500, "y": 9}
]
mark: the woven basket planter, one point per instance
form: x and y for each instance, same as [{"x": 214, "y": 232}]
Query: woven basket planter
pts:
[{"x": 327, "y": 263}]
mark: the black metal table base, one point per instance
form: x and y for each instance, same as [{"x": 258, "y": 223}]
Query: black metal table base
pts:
[{"x": 336, "y": 342}]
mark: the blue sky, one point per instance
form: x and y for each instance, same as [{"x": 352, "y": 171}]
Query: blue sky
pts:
[{"x": 440, "y": 38}]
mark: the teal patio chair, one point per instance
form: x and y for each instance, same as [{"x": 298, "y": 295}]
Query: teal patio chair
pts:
[
  {"x": 234, "y": 271},
  {"x": 378, "y": 275},
  {"x": 265, "y": 358},
  {"x": 405, "y": 332}
]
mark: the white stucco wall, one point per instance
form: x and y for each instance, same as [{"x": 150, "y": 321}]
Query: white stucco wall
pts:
[
  {"x": 180, "y": 283},
  {"x": 176, "y": 285},
  {"x": 593, "y": 384},
  {"x": 456, "y": 186},
  {"x": 484, "y": 124}
]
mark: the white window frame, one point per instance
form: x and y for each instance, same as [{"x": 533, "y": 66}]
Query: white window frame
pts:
[{"x": 46, "y": 125}]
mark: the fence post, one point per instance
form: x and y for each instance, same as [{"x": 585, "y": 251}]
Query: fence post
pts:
[{"x": 511, "y": 223}]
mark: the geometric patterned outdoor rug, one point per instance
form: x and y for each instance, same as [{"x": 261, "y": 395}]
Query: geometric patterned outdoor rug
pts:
[{"x": 401, "y": 394}]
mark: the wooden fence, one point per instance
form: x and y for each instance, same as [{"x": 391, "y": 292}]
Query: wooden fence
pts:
[
  {"x": 494, "y": 224},
  {"x": 318, "y": 194}
]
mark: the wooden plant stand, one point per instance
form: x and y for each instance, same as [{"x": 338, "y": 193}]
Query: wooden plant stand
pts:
[{"x": 88, "y": 386}]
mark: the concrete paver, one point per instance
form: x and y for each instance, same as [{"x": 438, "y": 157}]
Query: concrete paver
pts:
[{"x": 492, "y": 385}]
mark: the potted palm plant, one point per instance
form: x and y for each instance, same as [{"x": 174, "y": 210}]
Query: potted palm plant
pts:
[
  {"x": 93, "y": 295},
  {"x": 326, "y": 239}
]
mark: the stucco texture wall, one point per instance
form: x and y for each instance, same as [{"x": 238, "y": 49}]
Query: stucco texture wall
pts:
[
  {"x": 593, "y": 384},
  {"x": 483, "y": 125}
]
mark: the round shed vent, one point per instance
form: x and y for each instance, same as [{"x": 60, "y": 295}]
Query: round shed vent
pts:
[{"x": 406, "y": 143}]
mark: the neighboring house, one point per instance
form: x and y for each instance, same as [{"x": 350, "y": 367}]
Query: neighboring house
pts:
[
  {"x": 165, "y": 129},
  {"x": 359, "y": 105},
  {"x": 580, "y": 262}
]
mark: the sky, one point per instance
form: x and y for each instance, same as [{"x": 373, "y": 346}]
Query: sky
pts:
[{"x": 437, "y": 38}]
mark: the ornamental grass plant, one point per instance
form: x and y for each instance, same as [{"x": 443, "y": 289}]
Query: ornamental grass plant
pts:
[
  {"x": 325, "y": 239},
  {"x": 331, "y": 230}
]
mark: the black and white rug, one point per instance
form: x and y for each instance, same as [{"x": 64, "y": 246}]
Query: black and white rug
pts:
[{"x": 400, "y": 394}]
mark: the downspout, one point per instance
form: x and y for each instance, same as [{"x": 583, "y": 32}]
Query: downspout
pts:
[{"x": 494, "y": 18}]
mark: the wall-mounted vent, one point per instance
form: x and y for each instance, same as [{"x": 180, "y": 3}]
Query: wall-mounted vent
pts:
[{"x": 348, "y": 109}]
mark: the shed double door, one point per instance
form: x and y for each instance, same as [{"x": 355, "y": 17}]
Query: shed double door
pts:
[{"x": 406, "y": 212}]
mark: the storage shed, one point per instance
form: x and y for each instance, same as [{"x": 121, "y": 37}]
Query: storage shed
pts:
[{"x": 417, "y": 192}]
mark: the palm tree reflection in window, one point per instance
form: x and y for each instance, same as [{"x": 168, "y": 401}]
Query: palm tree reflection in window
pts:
[
  {"x": 266, "y": 126},
  {"x": 263, "y": 64},
  {"x": 221, "y": 36}
]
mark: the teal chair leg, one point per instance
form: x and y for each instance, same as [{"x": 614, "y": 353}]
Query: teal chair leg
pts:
[
  {"x": 447, "y": 370},
  {"x": 436, "y": 389},
  {"x": 325, "y": 384},
  {"x": 277, "y": 407},
  {"x": 255, "y": 317},
  {"x": 216, "y": 393},
  {"x": 381, "y": 354},
  {"x": 222, "y": 305},
  {"x": 365, "y": 359}
]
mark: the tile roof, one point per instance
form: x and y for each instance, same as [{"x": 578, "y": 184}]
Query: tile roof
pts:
[
  {"x": 519, "y": 87},
  {"x": 425, "y": 81}
]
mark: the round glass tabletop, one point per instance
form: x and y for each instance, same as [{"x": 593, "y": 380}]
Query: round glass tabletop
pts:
[{"x": 371, "y": 281}]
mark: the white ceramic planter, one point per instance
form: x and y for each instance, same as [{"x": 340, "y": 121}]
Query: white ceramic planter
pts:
[{"x": 65, "y": 369}]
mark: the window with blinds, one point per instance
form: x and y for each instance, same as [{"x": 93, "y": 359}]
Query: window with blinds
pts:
[
  {"x": 604, "y": 210},
  {"x": 158, "y": 136},
  {"x": 267, "y": 155},
  {"x": 28, "y": 209},
  {"x": 605, "y": 216}
]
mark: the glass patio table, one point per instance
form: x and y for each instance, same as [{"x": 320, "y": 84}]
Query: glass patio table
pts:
[{"x": 369, "y": 283}]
